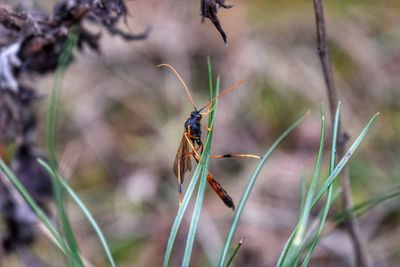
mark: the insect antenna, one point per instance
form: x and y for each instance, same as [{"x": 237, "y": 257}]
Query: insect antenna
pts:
[
  {"x": 221, "y": 94},
  {"x": 181, "y": 80}
]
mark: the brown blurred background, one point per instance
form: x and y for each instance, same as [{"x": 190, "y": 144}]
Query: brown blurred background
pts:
[{"x": 122, "y": 119}]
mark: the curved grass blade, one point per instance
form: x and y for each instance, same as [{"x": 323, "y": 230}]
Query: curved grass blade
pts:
[
  {"x": 247, "y": 191},
  {"x": 196, "y": 214},
  {"x": 363, "y": 207},
  {"x": 344, "y": 160},
  {"x": 210, "y": 79},
  {"x": 84, "y": 209},
  {"x": 335, "y": 131},
  {"x": 327, "y": 205},
  {"x": 323, "y": 216},
  {"x": 179, "y": 215},
  {"x": 317, "y": 170},
  {"x": 36, "y": 209},
  {"x": 294, "y": 249},
  {"x": 235, "y": 251},
  {"x": 51, "y": 144},
  {"x": 54, "y": 97},
  {"x": 287, "y": 247},
  {"x": 202, "y": 187},
  {"x": 359, "y": 209},
  {"x": 303, "y": 193}
]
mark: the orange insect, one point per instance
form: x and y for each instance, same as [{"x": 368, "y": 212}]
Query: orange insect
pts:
[{"x": 192, "y": 146}]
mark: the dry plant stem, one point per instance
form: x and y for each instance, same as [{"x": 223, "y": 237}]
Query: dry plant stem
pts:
[{"x": 361, "y": 253}]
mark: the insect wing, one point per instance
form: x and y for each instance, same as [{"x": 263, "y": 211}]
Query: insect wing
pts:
[{"x": 182, "y": 162}]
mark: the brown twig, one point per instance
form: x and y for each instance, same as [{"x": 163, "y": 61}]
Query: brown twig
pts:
[{"x": 362, "y": 256}]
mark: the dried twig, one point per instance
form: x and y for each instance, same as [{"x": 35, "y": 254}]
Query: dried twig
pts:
[
  {"x": 31, "y": 44},
  {"x": 362, "y": 256},
  {"x": 209, "y": 9}
]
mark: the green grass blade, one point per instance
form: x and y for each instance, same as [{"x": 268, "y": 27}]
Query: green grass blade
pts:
[
  {"x": 210, "y": 78},
  {"x": 248, "y": 189},
  {"x": 202, "y": 187},
  {"x": 54, "y": 98},
  {"x": 84, "y": 209},
  {"x": 321, "y": 224},
  {"x": 363, "y": 207},
  {"x": 196, "y": 215},
  {"x": 335, "y": 131},
  {"x": 327, "y": 205},
  {"x": 294, "y": 250},
  {"x": 309, "y": 238},
  {"x": 179, "y": 215},
  {"x": 311, "y": 190},
  {"x": 303, "y": 192},
  {"x": 35, "y": 208},
  {"x": 287, "y": 247},
  {"x": 328, "y": 185},
  {"x": 344, "y": 160},
  {"x": 359, "y": 209},
  {"x": 235, "y": 252},
  {"x": 51, "y": 144}
]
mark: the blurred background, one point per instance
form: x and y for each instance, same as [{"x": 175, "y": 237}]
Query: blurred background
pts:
[{"x": 122, "y": 119}]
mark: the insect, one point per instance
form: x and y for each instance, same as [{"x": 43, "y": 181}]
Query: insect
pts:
[{"x": 192, "y": 146}]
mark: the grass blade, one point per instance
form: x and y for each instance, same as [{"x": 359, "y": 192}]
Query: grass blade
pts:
[
  {"x": 54, "y": 97},
  {"x": 287, "y": 247},
  {"x": 294, "y": 251},
  {"x": 196, "y": 215},
  {"x": 210, "y": 79},
  {"x": 317, "y": 170},
  {"x": 344, "y": 160},
  {"x": 36, "y": 209},
  {"x": 363, "y": 207},
  {"x": 303, "y": 193},
  {"x": 310, "y": 241},
  {"x": 323, "y": 216},
  {"x": 327, "y": 205},
  {"x": 179, "y": 215},
  {"x": 51, "y": 144},
  {"x": 359, "y": 209},
  {"x": 335, "y": 131},
  {"x": 84, "y": 209},
  {"x": 248, "y": 189},
  {"x": 235, "y": 252}
]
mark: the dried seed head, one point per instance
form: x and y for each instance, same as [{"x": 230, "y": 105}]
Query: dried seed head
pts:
[{"x": 209, "y": 9}]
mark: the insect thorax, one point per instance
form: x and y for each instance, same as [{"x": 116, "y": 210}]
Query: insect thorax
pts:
[{"x": 193, "y": 124}]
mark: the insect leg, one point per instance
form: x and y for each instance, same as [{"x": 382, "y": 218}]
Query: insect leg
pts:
[
  {"x": 206, "y": 128},
  {"x": 215, "y": 185},
  {"x": 208, "y": 111},
  {"x": 220, "y": 191},
  {"x": 180, "y": 196},
  {"x": 179, "y": 174},
  {"x": 195, "y": 155}
]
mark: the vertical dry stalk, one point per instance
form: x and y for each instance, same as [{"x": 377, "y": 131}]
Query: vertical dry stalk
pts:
[{"x": 361, "y": 253}]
